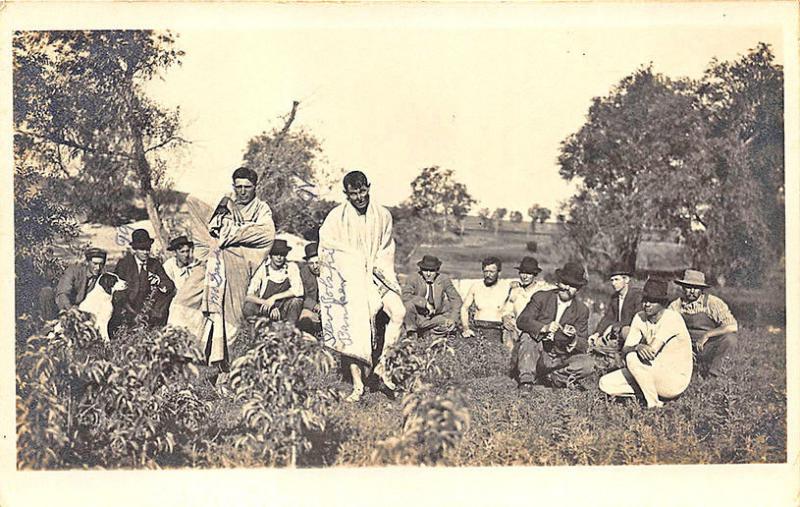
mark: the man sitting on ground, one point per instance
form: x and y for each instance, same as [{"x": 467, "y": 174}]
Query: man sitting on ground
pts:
[
  {"x": 76, "y": 281},
  {"x": 431, "y": 300},
  {"x": 554, "y": 325},
  {"x": 276, "y": 290},
  {"x": 488, "y": 296},
  {"x": 709, "y": 320},
  {"x": 518, "y": 297},
  {"x": 609, "y": 334},
  {"x": 309, "y": 273}
]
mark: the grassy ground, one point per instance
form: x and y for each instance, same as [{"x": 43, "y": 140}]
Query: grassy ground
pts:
[{"x": 738, "y": 419}]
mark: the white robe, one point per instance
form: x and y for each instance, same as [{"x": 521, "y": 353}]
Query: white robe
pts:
[{"x": 356, "y": 254}]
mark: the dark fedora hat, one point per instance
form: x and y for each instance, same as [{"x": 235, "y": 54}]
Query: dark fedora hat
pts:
[
  {"x": 620, "y": 268},
  {"x": 656, "y": 290},
  {"x": 311, "y": 250},
  {"x": 280, "y": 247},
  {"x": 93, "y": 252},
  {"x": 179, "y": 242},
  {"x": 529, "y": 265},
  {"x": 141, "y": 240},
  {"x": 429, "y": 263},
  {"x": 572, "y": 274}
]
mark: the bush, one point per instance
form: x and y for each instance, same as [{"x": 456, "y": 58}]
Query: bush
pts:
[
  {"x": 84, "y": 401},
  {"x": 531, "y": 246},
  {"x": 281, "y": 405}
]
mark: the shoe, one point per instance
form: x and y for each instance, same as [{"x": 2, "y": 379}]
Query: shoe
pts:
[
  {"x": 355, "y": 396},
  {"x": 525, "y": 388},
  {"x": 380, "y": 372}
]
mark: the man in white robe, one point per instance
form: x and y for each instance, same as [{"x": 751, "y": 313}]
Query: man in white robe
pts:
[{"x": 357, "y": 279}]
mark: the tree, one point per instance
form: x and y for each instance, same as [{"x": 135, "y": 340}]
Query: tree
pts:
[
  {"x": 439, "y": 197},
  {"x": 538, "y": 214},
  {"x": 485, "y": 218},
  {"x": 641, "y": 143},
  {"x": 515, "y": 216},
  {"x": 288, "y": 164},
  {"x": 497, "y": 217},
  {"x": 79, "y": 103},
  {"x": 741, "y": 223}
]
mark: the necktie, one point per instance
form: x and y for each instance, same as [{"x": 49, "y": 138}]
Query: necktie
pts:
[{"x": 429, "y": 296}]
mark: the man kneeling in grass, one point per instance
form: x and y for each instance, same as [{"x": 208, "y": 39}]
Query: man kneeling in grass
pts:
[
  {"x": 657, "y": 352},
  {"x": 555, "y": 325}
]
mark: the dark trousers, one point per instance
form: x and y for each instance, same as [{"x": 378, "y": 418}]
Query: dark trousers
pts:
[
  {"x": 309, "y": 322},
  {"x": 535, "y": 364},
  {"x": 289, "y": 309},
  {"x": 714, "y": 350},
  {"x": 433, "y": 324}
]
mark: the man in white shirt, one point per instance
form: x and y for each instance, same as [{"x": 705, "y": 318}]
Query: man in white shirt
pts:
[
  {"x": 276, "y": 289},
  {"x": 187, "y": 274},
  {"x": 518, "y": 297},
  {"x": 488, "y": 297}
]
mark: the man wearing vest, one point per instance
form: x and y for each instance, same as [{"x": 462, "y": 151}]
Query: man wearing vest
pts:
[
  {"x": 276, "y": 289},
  {"x": 431, "y": 300},
  {"x": 711, "y": 325}
]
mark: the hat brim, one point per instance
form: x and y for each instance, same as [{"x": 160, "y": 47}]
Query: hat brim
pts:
[
  {"x": 527, "y": 270},
  {"x": 172, "y": 248},
  {"x": 309, "y": 257},
  {"x": 281, "y": 251},
  {"x": 615, "y": 273},
  {"x": 429, "y": 267},
  {"x": 686, "y": 283},
  {"x": 570, "y": 281}
]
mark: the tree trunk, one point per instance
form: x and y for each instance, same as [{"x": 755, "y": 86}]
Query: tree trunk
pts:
[{"x": 630, "y": 252}]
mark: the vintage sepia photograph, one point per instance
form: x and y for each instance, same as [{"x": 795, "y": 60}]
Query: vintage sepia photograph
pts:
[{"x": 364, "y": 236}]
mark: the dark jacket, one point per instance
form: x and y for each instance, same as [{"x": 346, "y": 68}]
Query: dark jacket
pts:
[
  {"x": 631, "y": 305},
  {"x": 446, "y": 299},
  {"x": 72, "y": 286},
  {"x": 310, "y": 287},
  {"x": 130, "y": 301},
  {"x": 541, "y": 310}
]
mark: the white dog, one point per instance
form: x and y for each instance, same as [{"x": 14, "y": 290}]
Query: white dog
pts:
[{"x": 98, "y": 300}]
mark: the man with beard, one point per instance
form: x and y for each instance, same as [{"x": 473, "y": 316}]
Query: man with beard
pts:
[
  {"x": 357, "y": 279},
  {"x": 309, "y": 273},
  {"x": 554, "y": 329},
  {"x": 488, "y": 297},
  {"x": 432, "y": 301},
  {"x": 276, "y": 289},
  {"x": 518, "y": 297},
  {"x": 711, "y": 324}
]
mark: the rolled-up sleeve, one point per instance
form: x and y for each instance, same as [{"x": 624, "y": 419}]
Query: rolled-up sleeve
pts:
[{"x": 718, "y": 310}]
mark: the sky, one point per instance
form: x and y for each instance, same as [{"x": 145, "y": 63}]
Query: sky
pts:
[{"x": 492, "y": 103}]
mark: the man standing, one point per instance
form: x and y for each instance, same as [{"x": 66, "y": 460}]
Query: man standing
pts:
[
  {"x": 357, "y": 279},
  {"x": 519, "y": 296},
  {"x": 554, "y": 329},
  {"x": 489, "y": 297},
  {"x": 309, "y": 273},
  {"x": 146, "y": 280},
  {"x": 609, "y": 334},
  {"x": 431, "y": 300},
  {"x": 276, "y": 290},
  {"x": 711, "y": 324},
  {"x": 187, "y": 274}
]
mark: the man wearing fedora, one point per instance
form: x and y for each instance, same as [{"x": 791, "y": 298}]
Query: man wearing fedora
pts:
[
  {"x": 276, "y": 289},
  {"x": 657, "y": 352},
  {"x": 709, "y": 320},
  {"x": 73, "y": 285},
  {"x": 187, "y": 274},
  {"x": 519, "y": 296},
  {"x": 147, "y": 281},
  {"x": 554, "y": 325},
  {"x": 431, "y": 300},
  {"x": 609, "y": 334},
  {"x": 309, "y": 321}
]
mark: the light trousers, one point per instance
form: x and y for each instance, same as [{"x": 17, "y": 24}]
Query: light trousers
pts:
[{"x": 659, "y": 379}]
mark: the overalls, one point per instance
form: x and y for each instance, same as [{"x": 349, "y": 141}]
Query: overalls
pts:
[{"x": 715, "y": 348}]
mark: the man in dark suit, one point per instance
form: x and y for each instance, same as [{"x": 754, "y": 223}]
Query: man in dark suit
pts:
[
  {"x": 73, "y": 285},
  {"x": 309, "y": 321},
  {"x": 620, "y": 310},
  {"x": 554, "y": 325},
  {"x": 431, "y": 300},
  {"x": 147, "y": 282}
]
